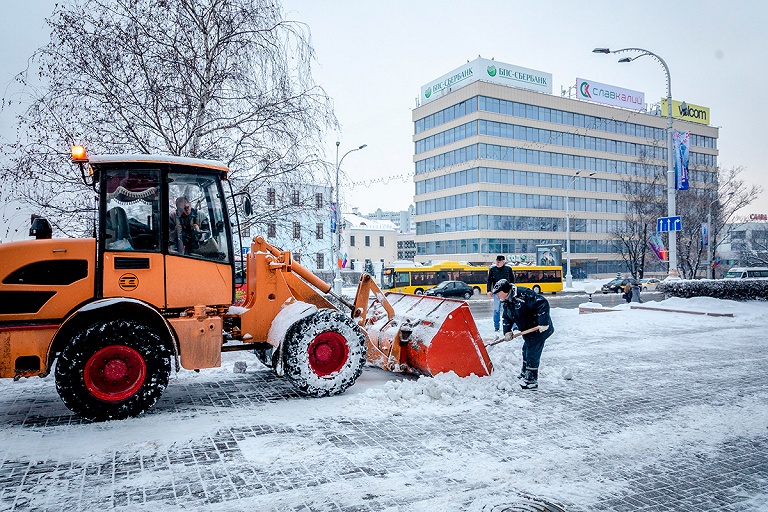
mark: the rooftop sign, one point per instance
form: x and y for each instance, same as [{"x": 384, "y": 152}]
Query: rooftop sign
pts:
[
  {"x": 686, "y": 111},
  {"x": 486, "y": 70},
  {"x": 609, "y": 94}
]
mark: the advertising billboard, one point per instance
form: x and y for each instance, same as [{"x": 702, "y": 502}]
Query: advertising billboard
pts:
[
  {"x": 487, "y": 71},
  {"x": 686, "y": 111},
  {"x": 609, "y": 94},
  {"x": 549, "y": 254}
]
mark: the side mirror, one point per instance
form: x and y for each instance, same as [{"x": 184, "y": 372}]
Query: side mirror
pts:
[
  {"x": 40, "y": 228},
  {"x": 247, "y": 207}
]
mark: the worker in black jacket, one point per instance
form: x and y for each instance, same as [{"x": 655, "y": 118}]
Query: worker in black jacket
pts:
[
  {"x": 527, "y": 309},
  {"x": 498, "y": 271}
]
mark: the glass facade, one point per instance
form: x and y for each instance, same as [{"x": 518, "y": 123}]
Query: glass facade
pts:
[
  {"x": 522, "y": 155},
  {"x": 516, "y": 223},
  {"x": 471, "y": 185}
]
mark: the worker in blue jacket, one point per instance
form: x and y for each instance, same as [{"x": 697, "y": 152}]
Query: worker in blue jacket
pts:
[{"x": 527, "y": 309}]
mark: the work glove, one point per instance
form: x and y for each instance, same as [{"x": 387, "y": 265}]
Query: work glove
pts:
[
  {"x": 543, "y": 328},
  {"x": 508, "y": 336}
]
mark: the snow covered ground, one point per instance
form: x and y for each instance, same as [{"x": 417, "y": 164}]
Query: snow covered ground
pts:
[{"x": 634, "y": 409}]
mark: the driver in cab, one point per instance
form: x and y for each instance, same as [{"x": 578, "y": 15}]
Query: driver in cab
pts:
[{"x": 185, "y": 226}]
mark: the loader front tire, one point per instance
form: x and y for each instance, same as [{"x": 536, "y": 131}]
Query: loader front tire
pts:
[
  {"x": 113, "y": 370},
  {"x": 324, "y": 353}
]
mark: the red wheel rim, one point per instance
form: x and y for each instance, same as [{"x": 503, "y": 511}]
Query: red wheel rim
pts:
[
  {"x": 327, "y": 353},
  {"x": 114, "y": 373}
]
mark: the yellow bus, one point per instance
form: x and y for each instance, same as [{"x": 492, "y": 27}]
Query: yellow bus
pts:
[{"x": 541, "y": 279}]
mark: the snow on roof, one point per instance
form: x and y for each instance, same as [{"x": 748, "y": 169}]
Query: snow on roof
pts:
[
  {"x": 356, "y": 221},
  {"x": 166, "y": 159}
]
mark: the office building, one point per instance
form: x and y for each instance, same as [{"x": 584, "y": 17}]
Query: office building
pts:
[
  {"x": 368, "y": 240},
  {"x": 496, "y": 154},
  {"x": 402, "y": 219},
  {"x": 744, "y": 244}
]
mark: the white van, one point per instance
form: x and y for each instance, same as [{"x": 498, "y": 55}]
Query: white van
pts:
[{"x": 747, "y": 273}]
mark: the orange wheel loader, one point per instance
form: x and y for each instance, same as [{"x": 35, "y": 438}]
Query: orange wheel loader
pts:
[{"x": 155, "y": 288}]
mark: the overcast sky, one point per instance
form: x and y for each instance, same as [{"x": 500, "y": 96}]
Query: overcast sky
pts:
[{"x": 372, "y": 58}]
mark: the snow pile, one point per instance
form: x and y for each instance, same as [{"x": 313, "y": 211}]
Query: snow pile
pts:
[{"x": 602, "y": 421}]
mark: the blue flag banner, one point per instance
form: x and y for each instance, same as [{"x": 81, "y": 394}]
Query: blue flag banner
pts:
[
  {"x": 333, "y": 217},
  {"x": 654, "y": 240},
  {"x": 680, "y": 144}
]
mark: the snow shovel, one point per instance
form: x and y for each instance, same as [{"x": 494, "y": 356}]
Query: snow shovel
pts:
[
  {"x": 425, "y": 336},
  {"x": 517, "y": 334}
]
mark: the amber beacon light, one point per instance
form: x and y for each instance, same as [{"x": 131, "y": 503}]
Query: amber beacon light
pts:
[{"x": 78, "y": 154}]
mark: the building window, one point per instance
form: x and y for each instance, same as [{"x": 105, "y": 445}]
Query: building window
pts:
[
  {"x": 296, "y": 257},
  {"x": 320, "y": 261},
  {"x": 297, "y": 230},
  {"x": 319, "y": 230},
  {"x": 295, "y": 198},
  {"x": 318, "y": 200},
  {"x": 271, "y": 196},
  {"x": 271, "y": 230},
  {"x": 367, "y": 241},
  {"x": 351, "y": 240},
  {"x": 381, "y": 241}
]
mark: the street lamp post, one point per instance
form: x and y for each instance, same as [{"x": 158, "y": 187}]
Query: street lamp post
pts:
[
  {"x": 568, "y": 277},
  {"x": 670, "y": 160},
  {"x": 709, "y": 239},
  {"x": 334, "y": 248}
]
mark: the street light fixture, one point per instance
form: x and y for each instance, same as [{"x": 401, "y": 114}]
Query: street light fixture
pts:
[
  {"x": 670, "y": 160},
  {"x": 334, "y": 248},
  {"x": 568, "y": 277}
]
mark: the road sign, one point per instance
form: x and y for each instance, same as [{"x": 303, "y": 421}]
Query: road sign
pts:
[{"x": 669, "y": 224}]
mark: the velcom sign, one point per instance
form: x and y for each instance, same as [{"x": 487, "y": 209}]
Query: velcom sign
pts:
[{"x": 686, "y": 111}]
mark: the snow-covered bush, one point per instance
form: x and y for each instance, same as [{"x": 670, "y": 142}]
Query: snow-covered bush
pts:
[{"x": 732, "y": 289}]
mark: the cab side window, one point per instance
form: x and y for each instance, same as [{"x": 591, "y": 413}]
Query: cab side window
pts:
[
  {"x": 132, "y": 220},
  {"x": 196, "y": 218}
]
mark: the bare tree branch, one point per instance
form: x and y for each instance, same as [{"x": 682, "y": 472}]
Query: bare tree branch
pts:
[{"x": 223, "y": 79}]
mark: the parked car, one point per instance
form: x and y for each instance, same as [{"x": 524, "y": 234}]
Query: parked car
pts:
[
  {"x": 451, "y": 289},
  {"x": 617, "y": 285},
  {"x": 649, "y": 283}
]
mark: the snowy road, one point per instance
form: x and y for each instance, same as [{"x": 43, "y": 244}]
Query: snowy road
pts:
[{"x": 637, "y": 410}]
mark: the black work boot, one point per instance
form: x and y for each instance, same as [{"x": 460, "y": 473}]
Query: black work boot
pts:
[
  {"x": 521, "y": 375},
  {"x": 531, "y": 379}
]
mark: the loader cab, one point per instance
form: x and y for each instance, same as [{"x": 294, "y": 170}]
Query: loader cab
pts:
[{"x": 164, "y": 235}]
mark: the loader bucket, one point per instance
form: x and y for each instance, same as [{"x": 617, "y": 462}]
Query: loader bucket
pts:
[{"x": 426, "y": 336}]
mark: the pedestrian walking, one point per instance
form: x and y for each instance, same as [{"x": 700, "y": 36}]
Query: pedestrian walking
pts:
[
  {"x": 627, "y": 292},
  {"x": 498, "y": 271},
  {"x": 527, "y": 309},
  {"x": 635, "y": 293}
]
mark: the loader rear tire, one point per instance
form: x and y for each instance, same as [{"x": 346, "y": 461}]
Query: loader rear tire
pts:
[
  {"x": 113, "y": 370},
  {"x": 324, "y": 353}
]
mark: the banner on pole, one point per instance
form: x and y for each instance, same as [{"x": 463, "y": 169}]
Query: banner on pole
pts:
[
  {"x": 704, "y": 234},
  {"x": 654, "y": 240},
  {"x": 333, "y": 218},
  {"x": 680, "y": 143}
]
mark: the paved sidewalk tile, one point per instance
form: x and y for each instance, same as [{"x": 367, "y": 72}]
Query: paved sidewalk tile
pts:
[{"x": 212, "y": 473}]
